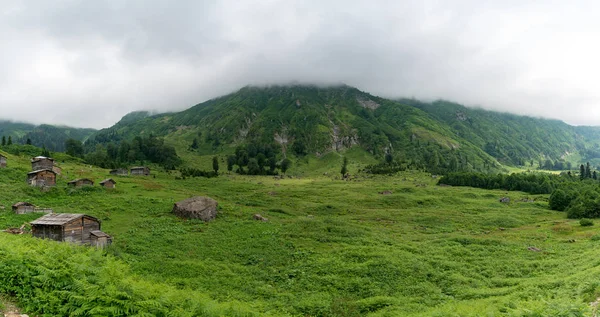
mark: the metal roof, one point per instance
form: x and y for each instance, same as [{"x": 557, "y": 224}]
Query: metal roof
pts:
[
  {"x": 38, "y": 158},
  {"x": 58, "y": 219}
]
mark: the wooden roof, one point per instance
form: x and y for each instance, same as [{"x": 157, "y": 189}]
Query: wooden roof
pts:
[
  {"x": 38, "y": 171},
  {"x": 58, "y": 219},
  {"x": 99, "y": 234},
  {"x": 22, "y": 203},
  {"x": 80, "y": 179},
  {"x": 139, "y": 167},
  {"x": 108, "y": 180}
]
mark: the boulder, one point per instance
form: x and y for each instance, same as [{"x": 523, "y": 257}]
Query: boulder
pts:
[
  {"x": 259, "y": 217},
  {"x": 505, "y": 200},
  {"x": 386, "y": 192},
  {"x": 198, "y": 207}
]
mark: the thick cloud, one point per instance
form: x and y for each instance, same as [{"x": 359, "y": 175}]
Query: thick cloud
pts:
[{"x": 87, "y": 63}]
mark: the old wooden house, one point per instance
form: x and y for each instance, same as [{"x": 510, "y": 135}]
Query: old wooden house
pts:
[
  {"x": 140, "y": 170},
  {"x": 76, "y": 228},
  {"x": 41, "y": 178},
  {"x": 42, "y": 163},
  {"x": 119, "y": 171},
  {"x": 23, "y": 207},
  {"x": 81, "y": 182},
  {"x": 108, "y": 183},
  {"x": 2, "y": 161}
]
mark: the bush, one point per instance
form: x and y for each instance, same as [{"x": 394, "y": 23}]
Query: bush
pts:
[{"x": 586, "y": 222}]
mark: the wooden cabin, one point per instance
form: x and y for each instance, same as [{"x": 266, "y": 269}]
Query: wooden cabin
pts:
[
  {"x": 108, "y": 183},
  {"x": 81, "y": 182},
  {"x": 2, "y": 161},
  {"x": 75, "y": 228},
  {"x": 41, "y": 178},
  {"x": 23, "y": 208},
  {"x": 140, "y": 170},
  {"x": 42, "y": 163},
  {"x": 119, "y": 171}
]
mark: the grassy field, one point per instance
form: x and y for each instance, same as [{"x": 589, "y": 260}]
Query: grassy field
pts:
[{"x": 331, "y": 247}]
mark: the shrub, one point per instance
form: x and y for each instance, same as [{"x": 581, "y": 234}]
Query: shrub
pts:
[{"x": 586, "y": 222}]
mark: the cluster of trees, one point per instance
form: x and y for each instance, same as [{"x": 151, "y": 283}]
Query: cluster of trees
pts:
[
  {"x": 9, "y": 142},
  {"x": 139, "y": 150},
  {"x": 578, "y": 196},
  {"x": 256, "y": 159}
]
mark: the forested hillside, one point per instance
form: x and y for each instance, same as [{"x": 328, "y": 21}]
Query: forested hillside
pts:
[{"x": 51, "y": 137}]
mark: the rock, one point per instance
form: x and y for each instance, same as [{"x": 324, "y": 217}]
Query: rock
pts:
[
  {"x": 386, "y": 192},
  {"x": 259, "y": 217},
  {"x": 505, "y": 200},
  {"x": 501, "y": 229},
  {"x": 534, "y": 249},
  {"x": 273, "y": 193},
  {"x": 198, "y": 207}
]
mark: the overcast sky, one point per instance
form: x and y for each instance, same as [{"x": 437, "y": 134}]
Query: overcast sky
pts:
[{"x": 88, "y": 63}]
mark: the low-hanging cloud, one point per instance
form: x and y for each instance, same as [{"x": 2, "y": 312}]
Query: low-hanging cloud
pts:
[{"x": 87, "y": 63}]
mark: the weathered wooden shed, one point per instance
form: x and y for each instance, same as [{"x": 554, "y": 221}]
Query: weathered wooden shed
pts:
[
  {"x": 2, "y": 161},
  {"x": 76, "y": 228},
  {"x": 42, "y": 163},
  {"x": 41, "y": 178},
  {"x": 81, "y": 182},
  {"x": 23, "y": 207},
  {"x": 119, "y": 171},
  {"x": 99, "y": 239},
  {"x": 140, "y": 170},
  {"x": 108, "y": 183}
]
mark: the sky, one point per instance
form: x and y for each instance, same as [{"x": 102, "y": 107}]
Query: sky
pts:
[{"x": 88, "y": 63}]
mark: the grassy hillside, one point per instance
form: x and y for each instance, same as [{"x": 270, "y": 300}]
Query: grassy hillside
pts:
[{"x": 330, "y": 248}]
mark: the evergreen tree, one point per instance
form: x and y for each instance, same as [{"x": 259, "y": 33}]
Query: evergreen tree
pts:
[
  {"x": 3, "y": 140},
  {"x": 215, "y": 164},
  {"x": 594, "y": 175},
  {"x": 581, "y": 172},
  {"x": 9, "y": 142},
  {"x": 588, "y": 172},
  {"x": 230, "y": 162},
  {"x": 344, "y": 169},
  {"x": 285, "y": 164},
  {"x": 194, "y": 144},
  {"x": 28, "y": 141}
]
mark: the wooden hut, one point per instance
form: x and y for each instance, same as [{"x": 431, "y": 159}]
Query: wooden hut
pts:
[
  {"x": 23, "y": 208},
  {"x": 42, "y": 163},
  {"x": 119, "y": 171},
  {"x": 108, "y": 183},
  {"x": 99, "y": 239},
  {"x": 41, "y": 178},
  {"x": 140, "y": 170},
  {"x": 2, "y": 161},
  {"x": 81, "y": 182},
  {"x": 76, "y": 228}
]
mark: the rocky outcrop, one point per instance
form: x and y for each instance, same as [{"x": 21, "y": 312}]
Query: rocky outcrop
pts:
[{"x": 198, "y": 207}]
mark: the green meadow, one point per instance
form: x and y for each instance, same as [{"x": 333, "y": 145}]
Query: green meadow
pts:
[{"x": 330, "y": 248}]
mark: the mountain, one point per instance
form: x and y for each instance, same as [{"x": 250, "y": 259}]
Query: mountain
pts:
[
  {"x": 44, "y": 135},
  {"x": 304, "y": 119}
]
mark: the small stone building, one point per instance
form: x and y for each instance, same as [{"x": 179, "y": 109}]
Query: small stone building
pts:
[
  {"x": 41, "y": 178},
  {"x": 119, "y": 172},
  {"x": 75, "y": 228},
  {"x": 42, "y": 163},
  {"x": 108, "y": 183},
  {"x": 140, "y": 170},
  {"x": 81, "y": 182},
  {"x": 23, "y": 208},
  {"x": 2, "y": 161}
]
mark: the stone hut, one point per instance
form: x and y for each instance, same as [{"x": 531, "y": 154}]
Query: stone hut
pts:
[
  {"x": 76, "y": 228},
  {"x": 23, "y": 208},
  {"x": 41, "y": 163},
  {"x": 2, "y": 161},
  {"x": 198, "y": 207},
  {"x": 119, "y": 172},
  {"x": 108, "y": 183},
  {"x": 41, "y": 178},
  {"x": 140, "y": 170},
  {"x": 81, "y": 182}
]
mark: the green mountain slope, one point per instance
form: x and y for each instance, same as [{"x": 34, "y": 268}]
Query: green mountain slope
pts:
[{"x": 44, "y": 135}]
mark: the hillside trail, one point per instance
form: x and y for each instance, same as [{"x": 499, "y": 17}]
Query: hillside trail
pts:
[
  {"x": 8, "y": 309},
  {"x": 594, "y": 305}
]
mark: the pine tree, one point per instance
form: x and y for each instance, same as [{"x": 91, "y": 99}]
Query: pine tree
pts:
[
  {"x": 594, "y": 175},
  {"x": 194, "y": 144},
  {"x": 588, "y": 172},
  {"x": 3, "y": 140},
  {"x": 28, "y": 141},
  {"x": 9, "y": 142},
  {"x": 215, "y": 164},
  {"x": 581, "y": 172},
  {"x": 344, "y": 169}
]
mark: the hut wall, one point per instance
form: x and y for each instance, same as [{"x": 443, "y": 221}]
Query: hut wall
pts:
[
  {"x": 24, "y": 210},
  {"x": 42, "y": 164},
  {"x": 47, "y": 232},
  {"x": 89, "y": 225},
  {"x": 99, "y": 242},
  {"x": 73, "y": 231},
  {"x": 43, "y": 178}
]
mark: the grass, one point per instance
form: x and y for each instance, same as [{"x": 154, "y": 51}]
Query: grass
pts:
[{"x": 335, "y": 248}]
